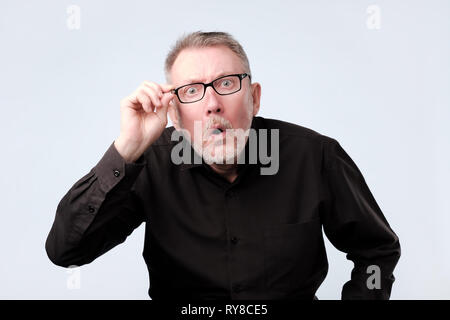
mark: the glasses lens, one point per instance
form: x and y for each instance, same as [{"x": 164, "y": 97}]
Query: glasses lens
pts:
[
  {"x": 227, "y": 85},
  {"x": 191, "y": 92}
]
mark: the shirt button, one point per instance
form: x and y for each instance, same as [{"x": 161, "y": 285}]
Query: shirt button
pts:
[
  {"x": 234, "y": 240},
  {"x": 116, "y": 173},
  {"x": 91, "y": 209},
  {"x": 237, "y": 288}
]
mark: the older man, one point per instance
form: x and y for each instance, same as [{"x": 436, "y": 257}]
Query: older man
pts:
[{"x": 220, "y": 228}]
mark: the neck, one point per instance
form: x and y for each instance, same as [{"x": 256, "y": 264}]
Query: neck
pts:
[{"x": 228, "y": 171}]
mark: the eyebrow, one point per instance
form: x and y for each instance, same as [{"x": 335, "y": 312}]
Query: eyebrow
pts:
[{"x": 195, "y": 80}]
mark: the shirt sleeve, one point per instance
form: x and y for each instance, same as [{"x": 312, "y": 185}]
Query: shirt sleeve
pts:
[
  {"x": 98, "y": 212},
  {"x": 354, "y": 224}
]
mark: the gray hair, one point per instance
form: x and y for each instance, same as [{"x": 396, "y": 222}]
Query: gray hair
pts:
[{"x": 201, "y": 39}]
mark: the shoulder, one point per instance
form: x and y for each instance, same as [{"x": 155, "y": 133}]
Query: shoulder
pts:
[
  {"x": 294, "y": 132},
  {"x": 301, "y": 141}
]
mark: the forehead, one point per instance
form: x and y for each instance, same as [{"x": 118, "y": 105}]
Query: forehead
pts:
[{"x": 204, "y": 64}]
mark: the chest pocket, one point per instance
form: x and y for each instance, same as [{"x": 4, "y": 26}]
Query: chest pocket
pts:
[{"x": 293, "y": 254}]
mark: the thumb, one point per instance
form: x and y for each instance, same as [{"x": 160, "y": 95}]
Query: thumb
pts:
[{"x": 162, "y": 112}]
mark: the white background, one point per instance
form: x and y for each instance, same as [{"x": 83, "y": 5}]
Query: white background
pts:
[{"x": 382, "y": 93}]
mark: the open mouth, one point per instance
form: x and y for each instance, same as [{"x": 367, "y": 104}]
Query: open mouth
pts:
[{"x": 217, "y": 131}]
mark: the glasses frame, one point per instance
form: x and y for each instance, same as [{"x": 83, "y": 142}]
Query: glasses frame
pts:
[{"x": 241, "y": 76}]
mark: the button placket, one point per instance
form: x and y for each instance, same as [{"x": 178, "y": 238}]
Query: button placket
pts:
[
  {"x": 237, "y": 288},
  {"x": 231, "y": 197}
]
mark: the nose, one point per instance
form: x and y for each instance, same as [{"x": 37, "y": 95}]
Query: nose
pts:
[{"x": 212, "y": 102}]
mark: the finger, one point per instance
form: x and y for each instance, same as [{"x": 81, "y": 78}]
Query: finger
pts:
[
  {"x": 132, "y": 101},
  {"x": 155, "y": 87},
  {"x": 168, "y": 96},
  {"x": 162, "y": 112},
  {"x": 156, "y": 101},
  {"x": 167, "y": 87},
  {"x": 144, "y": 101}
]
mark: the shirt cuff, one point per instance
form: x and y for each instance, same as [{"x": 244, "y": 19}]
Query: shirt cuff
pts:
[{"x": 112, "y": 169}]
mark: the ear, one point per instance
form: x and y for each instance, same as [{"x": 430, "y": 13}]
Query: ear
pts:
[
  {"x": 174, "y": 114},
  {"x": 256, "y": 95}
]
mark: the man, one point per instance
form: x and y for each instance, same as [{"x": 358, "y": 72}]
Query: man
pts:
[{"x": 220, "y": 228}]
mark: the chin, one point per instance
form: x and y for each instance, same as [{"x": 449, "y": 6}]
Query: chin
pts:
[{"x": 217, "y": 155}]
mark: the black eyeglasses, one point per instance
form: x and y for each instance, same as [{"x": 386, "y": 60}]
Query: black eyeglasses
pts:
[{"x": 225, "y": 85}]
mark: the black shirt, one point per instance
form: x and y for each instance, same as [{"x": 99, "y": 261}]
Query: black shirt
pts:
[{"x": 259, "y": 237}]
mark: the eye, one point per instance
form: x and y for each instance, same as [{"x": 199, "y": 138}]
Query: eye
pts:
[
  {"x": 227, "y": 83},
  {"x": 191, "y": 90}
]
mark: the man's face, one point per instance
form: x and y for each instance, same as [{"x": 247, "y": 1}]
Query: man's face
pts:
[{"x": 228, "y": 112}]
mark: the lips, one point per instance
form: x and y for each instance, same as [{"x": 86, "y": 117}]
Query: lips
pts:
[{"x": 217, "y": 129}]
